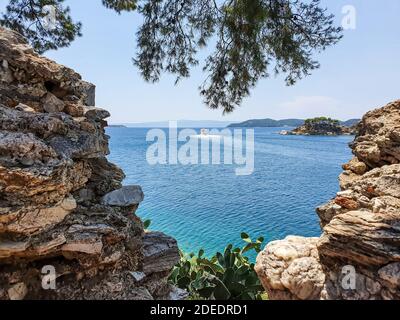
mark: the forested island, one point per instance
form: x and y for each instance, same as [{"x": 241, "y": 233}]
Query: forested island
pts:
[{"x": 323, "y": 126}]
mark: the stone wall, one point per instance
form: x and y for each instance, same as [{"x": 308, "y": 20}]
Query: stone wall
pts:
[
  {"x": 62, "y": 203},
  {"x": 361, "y": 227}
]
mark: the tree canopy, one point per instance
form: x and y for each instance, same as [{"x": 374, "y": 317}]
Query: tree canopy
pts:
[
  {"x": 251, "y": 39},
  {"x": 325, "y": 120}
]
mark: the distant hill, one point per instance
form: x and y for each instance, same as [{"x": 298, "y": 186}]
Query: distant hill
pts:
[
  {"x": 261, "y": 123},
  {"x": 350, "y": 123},
  {"x": 181, "y": 124},
  {"x": 267, "y": 123},
  {"x": 116, "y": 126}
]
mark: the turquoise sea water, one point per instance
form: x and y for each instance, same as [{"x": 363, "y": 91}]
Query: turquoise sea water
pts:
[{"x": 209, "y": 206}]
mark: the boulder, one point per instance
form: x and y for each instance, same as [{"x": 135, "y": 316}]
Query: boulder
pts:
[
  {"x": 378, "y": 141},
  {"x": 290, "y": 268},
  {"x": 52, "y": 104},
  {"x": 94, "y": 113},
  {"x": 127, "y": 196},
  {"x": 356, "y": 166},
  {"x": 18, "y": 291},
  {"x": 158, "y": 247}
]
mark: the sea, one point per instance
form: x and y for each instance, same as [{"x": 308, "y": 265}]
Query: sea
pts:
[{"x": 209, "y": 206}]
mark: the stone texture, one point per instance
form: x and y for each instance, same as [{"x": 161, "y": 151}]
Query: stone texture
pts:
[
  {"x": 52, "y": 104},
  {"x": 158, "y": 247},
  {"x": 378, "y": 141},
  {"x": 94, "y": 113},
  {"x": 356, "y": 166},
  {"x": 125, "y": 197},
  {"x": 289, "y": 268},
  {"x": 31, "y": 220},
  {"x": 361, "y": 227},
  {"x": 17, "y": 291},
  {"x": 391, "y": 274},
  {"x": 53, "y": 176}
]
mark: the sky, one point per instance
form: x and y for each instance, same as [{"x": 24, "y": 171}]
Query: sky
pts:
[{"x": 358, "y": 74}]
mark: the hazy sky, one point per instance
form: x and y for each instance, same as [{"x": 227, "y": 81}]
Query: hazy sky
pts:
[{"x": 358, "y": 74}]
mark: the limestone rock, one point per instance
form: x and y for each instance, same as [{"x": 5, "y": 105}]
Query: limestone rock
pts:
[
  {"x": 88, "y": 91},
  {"x": 42, "y": 184},
  {"x": 361, "y": 227},
  {"x": 290, "y": 268},
  {"x": 31, "y": 220},
  {"x": 96, "y": 114},
  {"x": 53, "y": 174},
  {"x": 347, "y": 178},
  {"x": 377, "y": 143},
  {"x": 25, "y": 149},
  {"x": 363, "y": 237},
  {"x": 8, "y": 248},
  {"x": 391, "y": 274},
  {"x": 138, "y": 276},
  {"x": 18, "y": 291},
  {"x": 24, "y": 107},
  {"x": 304, "y": 278},
  {"x": 177, "y": 294},
  {"x": 125, "y": 197},
  {"x": 5, "y": 72},
  {"x": 160, "y": 253},
  {"x": 52, "y": 104},
  {"x": 346, "y": 203},
  {"x": 88, "y": 247},
  {"x": 106, "y": 177},
  {"x": 356, "y": 166}
]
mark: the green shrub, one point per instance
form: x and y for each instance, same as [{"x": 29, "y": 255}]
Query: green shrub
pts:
[
  {"x": 146, "y": 224},
  {"x": 322, "y": 120},
  {"x": 224, "y": 276}
]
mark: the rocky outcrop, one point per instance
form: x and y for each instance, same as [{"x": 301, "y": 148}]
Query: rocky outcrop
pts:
[
  {"x": 321, "y": 127},
  {"x": 68, "y": 228},
  {"x": 358, "y": 253}
]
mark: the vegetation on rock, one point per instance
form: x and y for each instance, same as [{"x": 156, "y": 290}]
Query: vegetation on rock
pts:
[
  {"x": 322, "y": 120},
  {"x": 322, "y": 126},
  {"x": 225, "y": 276}
]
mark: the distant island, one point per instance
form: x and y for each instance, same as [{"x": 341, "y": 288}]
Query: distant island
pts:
[
  {"x": 261, "y": 123},
  {"x": 323, "y": 126},
  {"x": 180, "y": 123},
  {"x": 271, "y": 123},
  {"x": 116, "y": 126}
]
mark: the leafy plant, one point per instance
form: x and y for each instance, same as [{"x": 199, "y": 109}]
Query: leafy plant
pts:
[
  {"x": 322, "y": 120},
  {"x": 225, "y": 276},
  {"x": 249, "y": 39},
  {"x": 146, "y": 224}
]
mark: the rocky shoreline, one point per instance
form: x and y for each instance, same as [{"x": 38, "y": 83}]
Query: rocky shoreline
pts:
[
  {"x": 321, "y": 127},
  {"x": 62, "y": 204},
  {"x": 358, "y": 253}
]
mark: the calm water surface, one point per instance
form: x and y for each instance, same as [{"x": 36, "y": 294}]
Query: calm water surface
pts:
[{"x": 209, "y": 206}]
